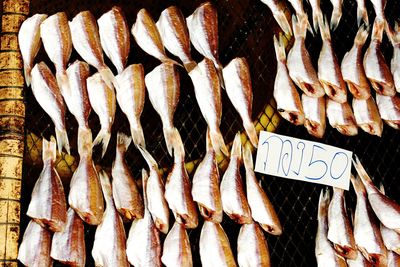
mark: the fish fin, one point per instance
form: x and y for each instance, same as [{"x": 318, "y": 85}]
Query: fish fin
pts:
[
  {"x": 219, "y": 69},
  {"x": 62, "y": 140},
  {"x": 299, "y": 26},
  {"x": 377, "y": 30},
  {"x": 382, "y": 188},
  {"x": 103, "y": 137},
  {"x": 283, "y": 22},
  {"x": 49, "y": 149},
  {"x": 189, "y": 66},
  {"x": 360, "y": 170},
  {"x": 335, "y": 18},
  {"x": 173, "y": 141},
  {"x": 251, "y": 132},
  {"x": 236, "y": 149},
  {"x": 106, "y": 187},
  {"x": 147, "y": 157},
  {"x": 84, "y": 141},
  {"x": 138, "y": 136},
  {"x": 323, "y": 203},
  {"x": 168, "y": 60},
  {"x": 361, "y": 36},
  {"x": 27, "y": 74},
  {"x": 218, "y": 142},
  {"x": 325, "y": 31},
  {"x": 317, "y": 20},
  {"x": 362, "y": 15},
  {"x": 279, "y": 46},
  {"x": 179, "y": 149},
  {"x": 63, "y": 84},
  {"x": 248, "y": 158},
  {"x": 107, "y": 76},
  {"x": 123, "y": 140}
]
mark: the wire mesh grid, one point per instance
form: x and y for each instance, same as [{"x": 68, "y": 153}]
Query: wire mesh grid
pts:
[{"x": 245, "y": 29}]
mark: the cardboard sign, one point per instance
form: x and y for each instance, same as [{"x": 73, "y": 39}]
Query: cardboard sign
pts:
[{"x": 303, "y": 160}]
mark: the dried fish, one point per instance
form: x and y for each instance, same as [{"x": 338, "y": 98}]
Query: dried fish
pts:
[
  {"x": 340, "y": 116},
  {"x": 367, "y": 116},
  {"x": 389, "y": 109},
  {"x": 391, "y": 238},
  {"x": 359, "y": 261},
  {"x": 395, "y": 62},
  {"x": 298, "y": 8},
  {"x": 315, "y": 116},
  {"x": 393, "y": 259},
  {"x": 316, "y": 13},
  {"x": 336, "y": 13},
  {"x": 176, "y": 250},
  {"x": 278, "y": 11}
]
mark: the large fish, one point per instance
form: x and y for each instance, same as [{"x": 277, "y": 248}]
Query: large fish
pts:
[
  {"x": 29, "y": 42},
  {"x": 176, "y": 249},
  {"x": 278, "y": 8},
  {"x": 367, "y": 116},
  {"x": 315, "y": 115},
  {"x": 86, "y": 41},
  {"x": 352, "y": 67},
  {"x": 316, "y": 14},
  {"x": 175, "y": 36},
  {"x": 102, "y": 100},
  {"x": 127, "y": 198},
  {"x": 336, "y": 13},
  {"x": 48, "y": 206},
  {"x": 285, "y": 93},
  {"x": 395, "y": 62},
  {"x": 114, "y": 37},
  {"x": 68, "y": 246},
  {"x": 163, "y": 87},
  {"x": 130, "y": 93},
  {"x": 85, "y": 195},
  {"x": 48, "y": 95},
  {"x": 362, "y": 13},
  {"x": 389, "y": 110},
  {"x": 208, "y": 95},
  {"x": 340, "y": 117},
  {"x": 238, "y": 87},
  {"x": 233, "y": 196}
]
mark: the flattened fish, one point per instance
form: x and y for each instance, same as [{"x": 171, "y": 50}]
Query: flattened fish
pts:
[
  {"x": 367, "y": 116},
  {"x": 114, "y": 37},
  {"x": 48, "y": 95},
  {"x": 315, "y": 116},
  {"x": 340, "y": 117},
  {"x": 389, "y": 109},
  {"x": 278, "y": 11},
  {"x": 127, "y": 198},
  {"x": 336, "y": 13},
  {"x": 317, "y": 14},
  {"x": 176, "y": 250},
  {"x": 395, "y": 62}
]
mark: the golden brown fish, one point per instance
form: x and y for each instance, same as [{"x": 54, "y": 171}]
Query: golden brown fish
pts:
[
  {"x": 394, "y": 38},
  {"x": 85, "y": 195},
  {"x": 127, "y": 198},
  {"x": 278, "y": 9},
  {"x": 315, "y": 116},
  {"x": 68, "y": 246},
  {"x": 114, "y": 37},
  {"x": 233, "y": 197},
  {"x": 367, "y": 116},
  {"x": 176, "y": 250},
  {"x": 336, "y": 13},
  {"x": 340, "y": 116},
  {"x": 389, "y": 110}
]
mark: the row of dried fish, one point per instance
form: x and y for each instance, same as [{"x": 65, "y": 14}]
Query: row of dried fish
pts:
[{"x": 373, "y": 237}]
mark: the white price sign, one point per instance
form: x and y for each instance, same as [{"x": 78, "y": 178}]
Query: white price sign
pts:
[{"x": 303, "y": 160}]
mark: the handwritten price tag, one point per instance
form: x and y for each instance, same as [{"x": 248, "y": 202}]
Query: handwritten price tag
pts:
[{"x": 303, "y": 160}]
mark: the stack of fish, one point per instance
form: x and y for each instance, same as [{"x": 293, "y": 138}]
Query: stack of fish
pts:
[
  {"x": 357, "y": 72},
  {"x": 373, "y": 236}
]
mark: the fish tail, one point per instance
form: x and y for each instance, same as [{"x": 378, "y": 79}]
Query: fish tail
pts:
[
  {"x": 145, "y": 177},
  {"x": 63, "y": 83},
  {"x": 236, "y": 149},
  {"x": 325, "y": 31},
  {"x": 62, "y": 140},
  {"x": 147, "y": 156},
  {"x": 173, "y": 141},
  {"x": 247, "y": 158},
  {"x": 357, "y": 184},
  {"x": 251, "y": 132},
  {"x": 218, "y": 143},
  {"x": 123, "y": 140},
  {"x": 107, "y": 76},
  {"x": 377, "y": 30},
  {"x": 360, "y": 170},
  {"x": 361, "y": 36},
  {"x": 317, "y": 19},
  {"x": 103, "y": 137},
  {"x": 49, "y": 149},
  {"x": 168, "y": 60},
  {"x": 27, "y": 74},
  {"x": 323, "y": 204},
  {"x": 382, "y": 188},
  {"x": 190, "y": 65},
  {"x": 84, "y": 141},
  {"x": 336, "y": 16},
  {"x": 299, "y": 26},
  {"x": 138, "y": 136},
  {"x": 283, "y": 22},
  {"x": 362, "y": 14},
  {"x": 106, "y": 187},
  {"x": 279, "y": 48}
]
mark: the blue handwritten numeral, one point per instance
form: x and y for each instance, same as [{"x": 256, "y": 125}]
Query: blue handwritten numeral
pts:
[
  {"x": 345, "y": 166},
  {"x": 318, "y": 161}
]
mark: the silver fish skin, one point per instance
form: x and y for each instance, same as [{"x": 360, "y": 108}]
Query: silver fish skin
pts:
[
  {"x": 130, "y": 94},
  {"x": 341, "y": 117},
  {"x": 340, "y": 232},
  {"x": 176, "y": 249},
  {"x": 299, "y": 63},
  {"x": 252, "y": 247},
  {"x": 316, "y": 14},
  {"x": 86, "y": 41},
  {"x": 336, "y": 13},
  {"x": 278, "y": 11},
  {"x": 362, "y": 13},
  {"x": 315, "y": 115},
  {"x": 115, "y": 37},
  {"x": 367, "y": 116},
  {"x": 360, "y": 261},
  {"x": 389, "y": 110},
  {"x": 393, "y": 259},
  {"x": 324, "y": 252},
  {"x": 34, "y": 249},
  {"x": 48, "y": 95},
  {"x": 352, "y": 67},
  {"x": 208, "y": 95},
  {"x": 48, "y": 206},
  {"x": 238, "y": 87},
  {"x": 394, "y": 38},
  {"x": 376, "y": 69},
  {"x": 163, "y": 86},
  {"x": 29, "y": 42},
  {"x": 175, "y": 36},
  {"x": 329, "y": 73},
  {"x": 102, "y": 99},
  {"x": 299, "y": 9},
  {"x": 215, "y": 250},
  {"x": 143, "y": 246},
  {"x": 285, "y": 93}
]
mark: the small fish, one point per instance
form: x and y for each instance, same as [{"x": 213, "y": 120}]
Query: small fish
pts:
[
  {"x": 376, "y": 69},
  {"x": 163, "y": 87},
  {"x": 352, "y": 67},
  {"x": 114, "y": 37},
  {"x": 175, "y": 36},
  {"x": 299, "y": 62},
  {"x": 389, "y": 109},
  {"x": 127, "y": 198},
  {"x": 238, "y": 87},
  {"x": 215, "y": 250},
  {"x": 317, "y": 14},
  {"x": 156, "y": 203},
  {"x": 252, "y": 247},
  {"x": 336, "y": 13},
  {"x": 48, "y": 207},
  {"x": 359, "y": 261},
  {"x": 340, "y": 232},
  {"x": 205, "y": 188},
  {"x": 391, "y": 239},
  {"x": 34, "y": 250},
  {"x": 109, "y": 246},
  {"x": 395, "y": 62},
  {"x": 48, "y": 95},
  {"x": 315, "y": 116},
  {"x": 208, "y": 95},
  {"x": 387, "y": 210},
  {"x": 324, "y": 252},
  {"x": 148, "y": 38},
  {"x": 285, "y": 93},
  {"x": 56, "y": 38},
  {"x": 29, "y": 42},
  {"x": 298, "y": 8},
  {"x": 102, "y": 100},
  {"x": 130, "y": 94},
  {"x": 143, "y": 246},
  {"x": 176, "y": 250},
  {"x": 85, "y": 195},
  {"x": 393, "y": 259},
  {"x": 329, "y": 73},
  {"x": 233, "y": 197},
  {"x": 68, "y": 246},
  {"x": 278, "y": 11},
  {"x": 203, "y": 32},
  {"x": 340, "y": 117},
  {"x": 362, "y": 14},
  {"x": 86, "y": 41},
  {"x": 367, "y": 116},
  {"x": 261, "y": 207}
]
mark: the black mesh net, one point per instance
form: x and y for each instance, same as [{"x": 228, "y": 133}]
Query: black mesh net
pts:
[{"x": 245, "y": 29}]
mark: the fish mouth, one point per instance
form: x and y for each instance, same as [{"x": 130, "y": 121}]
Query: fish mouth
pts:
[
  {"x": 377, "y": 259},
  {"x": 186, "y": 220},
  {"x": 314, "y": 128},
  {"x": 240, "y": 219},
  {"x": 291, "y": 116},
  {"x": 346, "y": 251},
  {"x": 382, "y": 88},
  {"x": 369, "y": 128},
  {"x": 208, "y": 214},
  {"x": 271, "y": 229},
  {"x": 307, "y": 88},
  {"x": 356, "y": 91},
  {"x": 347, "y": 130}
]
